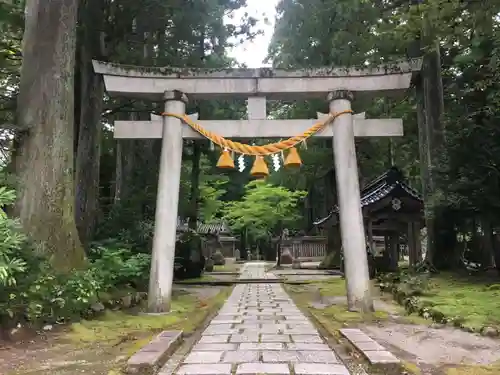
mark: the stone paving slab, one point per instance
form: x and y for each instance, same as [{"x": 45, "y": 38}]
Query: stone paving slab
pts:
[
  {"x": 320, "y": 369},
  {"x": 259, "y": 330},
  {"x": 206, "y": 369},
  {"x": 373, "y": 351},
  {"x": 154, "y": 355},
  {"x": 262, "y": 368}
]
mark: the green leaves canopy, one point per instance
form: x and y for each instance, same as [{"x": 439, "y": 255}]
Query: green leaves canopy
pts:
[{"x": 264, "y": 208}]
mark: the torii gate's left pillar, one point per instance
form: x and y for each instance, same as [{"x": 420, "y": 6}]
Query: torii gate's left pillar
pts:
[{"x": 167, "y": 203}]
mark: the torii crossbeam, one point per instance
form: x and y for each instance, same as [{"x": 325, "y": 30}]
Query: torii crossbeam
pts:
[{"x": 174, "y": 86}]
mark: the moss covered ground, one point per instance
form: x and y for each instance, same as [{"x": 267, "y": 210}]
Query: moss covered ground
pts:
[
  {"x": 101, "y": 346},
  {"x": 475, "y": 299}
]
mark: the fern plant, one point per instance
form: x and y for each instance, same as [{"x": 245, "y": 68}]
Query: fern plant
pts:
[{"x": 11, "y": 242}]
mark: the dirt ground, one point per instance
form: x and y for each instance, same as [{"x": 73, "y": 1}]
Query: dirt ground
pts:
[
  {"x": 444, "y": 346},
  {"x": 54, "y": 354},
  {"x": 51, "y": 355}
]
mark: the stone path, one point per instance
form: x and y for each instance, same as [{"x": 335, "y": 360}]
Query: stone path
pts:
[
  {"x": 255, "y": 271},
  {"x": 259, "y": 330}
]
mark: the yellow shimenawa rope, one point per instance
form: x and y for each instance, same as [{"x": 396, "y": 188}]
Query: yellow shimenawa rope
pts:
[{"x": 264, "y": 150}]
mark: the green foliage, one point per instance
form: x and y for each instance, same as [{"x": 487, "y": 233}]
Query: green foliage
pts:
[
  {"x": 11, "y": 242},
  {"x": 210, "y": 192},
  {"x": 357, "y": 32},
  {"x": 116, "y": 266},
  {"x": 11, "y": 26},
  {"x": 264, "y": 209},
  {"x": 171, "y": 36},
  {"x": 31, "y": 290},
  {"x": 56, "y": 298}
]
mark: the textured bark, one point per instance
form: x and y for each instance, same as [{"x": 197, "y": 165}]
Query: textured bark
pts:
[
  {"x": 488, "y": 254},
  {"x": 195, "y": 186},
  {"x": 496, "y": 249},
  {"x": 125, "y": 162},
  {"x": 430, "y": 109},
  {"x": 334, "y": 246},
  {"x": 43, "y": 158},
  {"x": 91, "y": 94}
]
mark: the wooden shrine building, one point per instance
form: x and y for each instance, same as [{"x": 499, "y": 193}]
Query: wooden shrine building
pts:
[
  {"x": 393, "y": 214},
  {"x": 216, "y": 236}
]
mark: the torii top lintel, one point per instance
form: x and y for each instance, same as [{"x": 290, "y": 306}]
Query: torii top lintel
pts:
[{"x": 152, "y": 82}]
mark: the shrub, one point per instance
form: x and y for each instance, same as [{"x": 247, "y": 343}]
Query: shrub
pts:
[
  {"x": 32, "y": 292},
  {"x": 116, "y": 266},
  {"x": 218, "y": 258},
  {"x": 58, "y": 298},
  {"x": 12, "y": 241}
]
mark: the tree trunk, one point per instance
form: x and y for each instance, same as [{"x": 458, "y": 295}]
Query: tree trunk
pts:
[
  {"x": 88, "y": 158},
  {"x": 279, "y": 249},
  {"x": 496, "y": 249},
  {"x": 126, "y": 164},
  {"x": 334, "y": 246},
  {"x": 487, "y": 244},
  {"x": 43, "y": 158},
  {"x": 195, "y": 186},
  {"x": 91, "y": 94},
  {"x": 431, "y": 141},
  {"x": 430, "y": 108}
]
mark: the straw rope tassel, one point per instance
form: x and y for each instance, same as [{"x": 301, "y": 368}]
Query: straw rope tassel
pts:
[{"x": 254, "y": 150}]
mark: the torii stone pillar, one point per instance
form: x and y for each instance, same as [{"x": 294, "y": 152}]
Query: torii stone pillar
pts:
[
  {"x": 349, "y": 201},
  {"x": 167, "y": 203}
]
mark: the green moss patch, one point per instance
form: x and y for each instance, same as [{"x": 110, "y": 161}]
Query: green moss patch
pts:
[
  {"x": 187, "y": 311},
  {"x": 234, "y": 267},
  {"x": 474, "y": 301},
  {"x": 473, "y": 370},
  {"x": 335, "y": 316},
  {"x": 95, "y": 345},
  {"x": 469, "y": 302}
]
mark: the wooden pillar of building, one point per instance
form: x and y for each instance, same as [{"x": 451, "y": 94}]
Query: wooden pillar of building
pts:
[
  {"x": 370, "y": 235},
  {"x": 393, "y": 251},
  {"x": 414, "y": 243}
]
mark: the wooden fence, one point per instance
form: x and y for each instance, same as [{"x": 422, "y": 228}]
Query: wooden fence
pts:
[{"x": 311, "y": 248}]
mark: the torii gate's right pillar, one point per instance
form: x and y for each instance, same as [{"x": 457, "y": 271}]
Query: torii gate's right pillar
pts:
[{"x": 349, "y": 202}]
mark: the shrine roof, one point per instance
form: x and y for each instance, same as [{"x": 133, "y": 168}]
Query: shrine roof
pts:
[
  {"x": 381, "y": 187},
  {"x": 216, "y": 227}
]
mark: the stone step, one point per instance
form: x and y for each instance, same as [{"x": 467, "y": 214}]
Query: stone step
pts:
[
  {"x": 375, "y": 353},
  {"x": 150, "y": 358}
]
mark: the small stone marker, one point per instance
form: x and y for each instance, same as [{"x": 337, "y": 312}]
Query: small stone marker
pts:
[
  {"x": 373, "y": 351},
  {"x": 151, "y": 357}
]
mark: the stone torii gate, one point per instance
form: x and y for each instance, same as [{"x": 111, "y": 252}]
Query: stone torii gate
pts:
[{"x": 175, "y": 86}]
